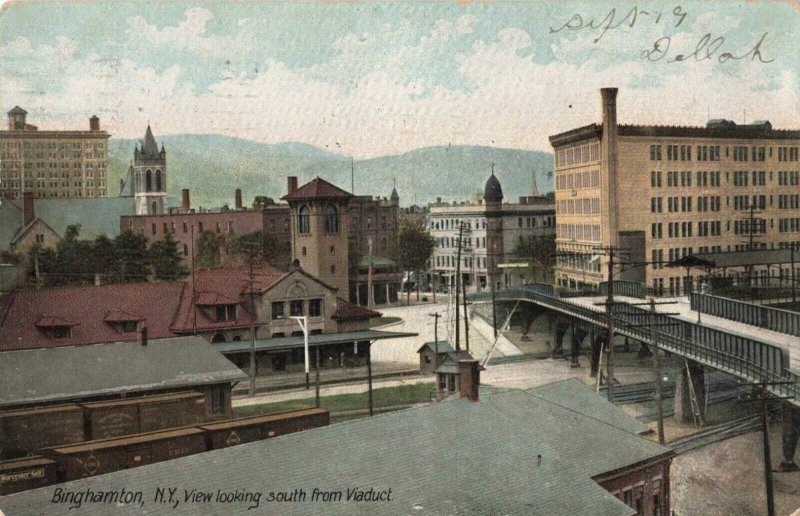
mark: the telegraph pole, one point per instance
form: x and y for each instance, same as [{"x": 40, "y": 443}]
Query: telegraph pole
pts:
[
  {"x": 657, "y": 372},
  {"x": 458, "y": 283},
  {"x": 435, "y": 316}
]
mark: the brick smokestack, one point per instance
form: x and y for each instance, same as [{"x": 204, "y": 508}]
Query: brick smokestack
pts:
[
  {"x": 185, "y": 200},
  {"x": 469, "y": 379},
  {"x": 141, "y": 334},
  {"x": 28, "y": 212},
  {"x": 292, "y": 185},
  {"x": 94, "y": 123},
  {"x": 238, "y": 199},
  {"x": 608, "y": 155}
]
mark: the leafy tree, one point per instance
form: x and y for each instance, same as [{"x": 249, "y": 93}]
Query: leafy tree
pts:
[
  {"x": 539, "y": 251},
  {"x": 130, "y": 250},
  {"x": 75, "y": 258},
  {"x": 208, "y": 249},
  {"x": 414, "y": 247},
  {"x": 165, "y": 259},
  {"x": 249, "y": 248},
  {"x": 262, "y": 201},
  {"x": 105, "y": 257}
]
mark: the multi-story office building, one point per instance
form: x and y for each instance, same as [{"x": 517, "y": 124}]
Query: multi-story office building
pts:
[
  {"x": 491, "y": 230},
  {"x": 665, "y": 192},
  {"x": 52, "y": 163}
]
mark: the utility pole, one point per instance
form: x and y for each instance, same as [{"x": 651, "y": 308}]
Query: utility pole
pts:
[
  {"x": 609, "y": 305},
  {"x": 765, "y": 399},
  {"x": 657, "y": 372},
  {"x": 458, "y": 283},
  {"x": 370, "y": 293},
  {"x": 435, "y": 316},
  {"x": 252, "y": 333},
  {"x": 303, "y": 322}
]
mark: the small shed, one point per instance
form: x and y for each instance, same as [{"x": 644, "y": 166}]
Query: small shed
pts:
[
  {"x": 447, "y": 373},
  {"x": 429, "y": 350}
]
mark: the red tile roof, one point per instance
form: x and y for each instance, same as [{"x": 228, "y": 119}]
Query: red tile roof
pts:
[
  {"x": 317, "y": 189},
  {"x": 222, "y": 286},
  {"x": 349, "y": 311},
  {"x": 23, "y": 312}
]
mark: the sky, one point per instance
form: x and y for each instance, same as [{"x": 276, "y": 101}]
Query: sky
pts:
[{"x": 371, "y": 79}]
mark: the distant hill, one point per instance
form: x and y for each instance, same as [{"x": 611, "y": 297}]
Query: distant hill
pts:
[{"x": 213, "y": 166}]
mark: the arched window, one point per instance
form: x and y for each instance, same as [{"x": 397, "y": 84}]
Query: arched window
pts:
[
  {"x": 158, "y": 180},
  {"x": 218, "y": 338},
  {"x": 303, "y": 223},
  {"x": 331, "y": 219},
  {"x": 148, "y": 181},
  {"x": 155, "y": 208}
]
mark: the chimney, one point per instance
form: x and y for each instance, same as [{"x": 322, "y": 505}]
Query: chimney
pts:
[
  {"x": 141, "y": 334},
  {"x": 28, "y": 213},
  {"x": 470, "y": 379},
  {"x": 292, "y": 184},
  {"x": 94, "y": 123},
  {"x": 185, "y": 202},
  {"x": 238, "y": 199},
  {"x": 608, "y": 155}
]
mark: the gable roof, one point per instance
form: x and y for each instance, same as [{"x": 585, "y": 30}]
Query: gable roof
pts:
[
  {"x": 491, "y": 468},
  {"x": 442, "y": 346},
  {"x": 96, "y": 215},
  {"x": 153, "y": 303},
  {"x": 317, "y": 188},
  {"x": 348, "y": 311},
  {"x": 75, "y": 372},
  {"x": 16, "y": 110}
]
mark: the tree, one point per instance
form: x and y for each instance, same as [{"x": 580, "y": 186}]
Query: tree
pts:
[
  {"x": 249, "y": 248},
  {"x": 262, "y": 201},
  {"x": 165, "y": 259},
  {"x": 414, "y": 248},
  {"x": 208, "y": 249},
  {"x": 539, "y": 251},
  {"x": 105, "y": 257},
  {"x": 130, "y": 250}
]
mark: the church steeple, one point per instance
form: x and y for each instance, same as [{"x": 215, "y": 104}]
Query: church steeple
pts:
[{"x": 150, "y": 148}]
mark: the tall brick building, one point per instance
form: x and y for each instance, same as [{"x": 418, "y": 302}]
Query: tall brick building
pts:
[
  {"x": 666, "y": 192},
  {"x": 57, "y": 163}
]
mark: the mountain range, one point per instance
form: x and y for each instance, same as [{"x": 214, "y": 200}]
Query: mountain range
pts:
[{"x": 213, "y": 166}]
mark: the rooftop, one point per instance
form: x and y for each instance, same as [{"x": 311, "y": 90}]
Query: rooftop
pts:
[
  {"x": 491, "y": 467},
  {"x": 317, "y": 188},
  {"x": 75, "y": 372}
]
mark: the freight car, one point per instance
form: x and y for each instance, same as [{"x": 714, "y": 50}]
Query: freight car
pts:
[{"x": 64, "y": 463}]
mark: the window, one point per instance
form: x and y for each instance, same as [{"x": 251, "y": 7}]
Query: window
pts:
[
  {"x": 296, "y": 308},
  {"x": 331, "y": 219},
  {"x": 226, "y": 313},
  {"x": 148, "y": 181},
  {"x": 216, "y": 400},
  {"x": 154, "y": 208},
  {"x": 315, "y": 307},
  {"x": 277, "y": 310},
  {"x": 59, "y": 332},
  {"x": 303, "y": 223},
  {"x": 158, "y": 180}
]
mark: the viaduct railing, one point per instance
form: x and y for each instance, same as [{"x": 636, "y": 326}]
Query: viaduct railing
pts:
[
  {"x": 740, "y": 356},
  {"x": 775, "y": 319}
]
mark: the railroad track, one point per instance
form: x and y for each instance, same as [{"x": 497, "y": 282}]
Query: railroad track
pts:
[{"x": 716, "y": 434}]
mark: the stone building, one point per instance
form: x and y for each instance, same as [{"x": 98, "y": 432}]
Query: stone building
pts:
[
  {"x": 147, "y": 177},
  {"x": 666, "y": 192},
  {"x": 52, "y": 163},
  {"x": 492, "y": 229}
]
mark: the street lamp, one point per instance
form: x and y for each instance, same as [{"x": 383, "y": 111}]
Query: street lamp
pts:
[{"x": 303, "y": 322}]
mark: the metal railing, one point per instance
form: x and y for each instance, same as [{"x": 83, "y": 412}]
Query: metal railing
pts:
[
  {"x": 625, "y": 288},
  {"x": 756, "y": 361},
  {"x": 775, "y": 319}
]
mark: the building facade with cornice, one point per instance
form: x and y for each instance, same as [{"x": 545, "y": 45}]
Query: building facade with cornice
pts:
[{"x": 665, "y": 192}]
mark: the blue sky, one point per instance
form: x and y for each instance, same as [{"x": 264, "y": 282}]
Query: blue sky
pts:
[{"x": 377, "y": 78}]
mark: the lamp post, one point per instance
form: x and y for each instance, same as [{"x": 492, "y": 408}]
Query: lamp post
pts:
[{"x": 303, "y": 322}]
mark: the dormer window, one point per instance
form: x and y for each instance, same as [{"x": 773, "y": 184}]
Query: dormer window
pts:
[
  {"x": 226, "y": 312},
  {"x": 55, "y": 327}
]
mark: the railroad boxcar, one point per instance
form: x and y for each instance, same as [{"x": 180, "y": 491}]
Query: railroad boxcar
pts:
[
  {"x": 250, "y": 429},
  {"x": 26, "y": 473},
  {"x": 27, "y": 430}
]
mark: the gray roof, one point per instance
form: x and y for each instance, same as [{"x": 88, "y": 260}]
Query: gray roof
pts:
[
  {"x": 74, "y": 372},
  {"x": 493, "y": 191},
  {"x": 323, "y": 339},
  {"x": 450, "y": 362},
  {"x": 441, "y": 346},
  {"x": 96, "y": 215},
  {"x": 754, "y": 257},
  {"x": 490, "y": 468},
  {"x": 572, "y": 394}
]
